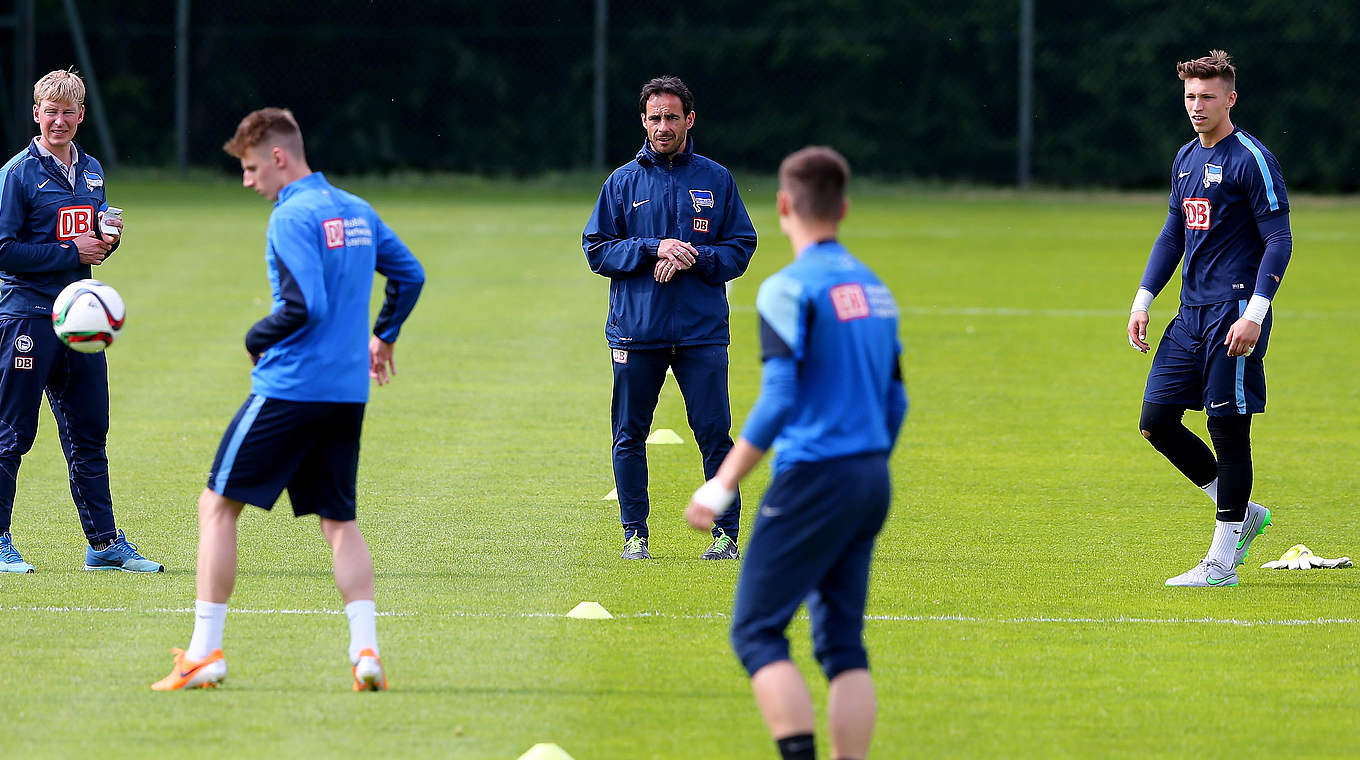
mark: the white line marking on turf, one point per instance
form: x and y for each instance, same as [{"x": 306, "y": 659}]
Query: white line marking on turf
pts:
[
  {"x": 1002, "y": 311},
  {"x": 725, "y": 616}
]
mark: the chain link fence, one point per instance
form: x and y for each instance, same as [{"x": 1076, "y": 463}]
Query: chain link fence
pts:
[{"x": 924, "y": 91}]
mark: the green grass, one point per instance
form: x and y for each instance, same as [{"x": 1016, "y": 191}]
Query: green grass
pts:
[{"x": 1017, "y": 591}]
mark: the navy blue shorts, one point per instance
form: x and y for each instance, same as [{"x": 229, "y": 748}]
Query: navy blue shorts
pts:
[
  {"x": 1192, "y": 369},
  {"x": 812, "y": 540},
  {"x": 310, "y": 448}
]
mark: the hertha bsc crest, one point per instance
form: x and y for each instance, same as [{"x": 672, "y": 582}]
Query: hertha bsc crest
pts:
[
  {"x": 1213, "y": 175},
  {"x": 702, "y": 199}
]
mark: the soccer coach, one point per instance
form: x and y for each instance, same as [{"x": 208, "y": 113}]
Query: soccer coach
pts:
[{"x": 669, "y": 230}]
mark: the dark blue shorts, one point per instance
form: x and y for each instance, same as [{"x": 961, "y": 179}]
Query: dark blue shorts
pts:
[
  {"x": 1192, "y": 369},
  {"x": 813, "y": 540},
  {"x": 310, "y": 448}
]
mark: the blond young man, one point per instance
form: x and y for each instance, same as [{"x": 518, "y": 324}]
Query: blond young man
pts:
[
  {"x": 52, "y": 200},
  {"x": 313, "y": 357}
]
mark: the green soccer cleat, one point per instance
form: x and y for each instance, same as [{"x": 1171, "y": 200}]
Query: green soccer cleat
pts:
[
  {"x": 635, "y": 547},
  {"x": 723, "y": 547},
  {"x": 1206, "y": 573},
  {"x": 1258, "y": 517}
]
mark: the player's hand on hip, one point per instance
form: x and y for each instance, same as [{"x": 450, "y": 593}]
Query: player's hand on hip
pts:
[
  {"x": 678, "y": 251},
  {"x": 1242, "y": 337},
  {"x": 698, "y": 516},
  {"x": 382, "y": 365},
  {"x": 1138, "y": 322},
  {"x": 92, "y": 250}
]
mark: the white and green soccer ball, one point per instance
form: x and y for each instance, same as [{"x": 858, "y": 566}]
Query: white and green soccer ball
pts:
[{"x": 88, "y": 315}]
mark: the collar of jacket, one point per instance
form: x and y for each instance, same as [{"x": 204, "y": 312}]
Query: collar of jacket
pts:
[
  {"x": 82, "y": 158},
  {"x": 315, "y": 179},
  {"x": 648, "y": 156}
]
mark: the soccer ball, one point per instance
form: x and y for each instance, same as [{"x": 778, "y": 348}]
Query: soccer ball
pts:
[{"x": 88, "y": 315}]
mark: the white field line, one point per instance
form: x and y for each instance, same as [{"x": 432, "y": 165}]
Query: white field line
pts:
[
  {"x": 1123, "y": 620},
  {"x": 1002, "y": 311}
]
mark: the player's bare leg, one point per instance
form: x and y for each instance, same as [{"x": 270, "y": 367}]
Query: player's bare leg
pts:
[
  {"x": 217, "y": 516},
  {"x": 851, "y": 707},
  {"x": 203, "y": 665},
  {"x": 353, "y": 565},
  {"x": 783, "y": 697}
]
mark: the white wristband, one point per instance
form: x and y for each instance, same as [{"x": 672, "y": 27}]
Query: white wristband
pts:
[
  {"x": 1142, "y": 300},
  {"x": 715, "y": 496},
  {"x": 1257, "y": 308}
]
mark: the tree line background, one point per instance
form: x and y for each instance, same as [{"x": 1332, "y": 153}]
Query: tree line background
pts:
[{"x": 922, "y": 90}]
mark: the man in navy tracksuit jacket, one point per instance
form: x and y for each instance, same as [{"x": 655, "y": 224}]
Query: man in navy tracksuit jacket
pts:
[
  {"x": 669, "y": 230},
  {"x": 51, "y": 201}
]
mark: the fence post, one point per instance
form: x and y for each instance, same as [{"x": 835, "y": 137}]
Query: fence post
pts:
[{"x": 1025, "y": 125}]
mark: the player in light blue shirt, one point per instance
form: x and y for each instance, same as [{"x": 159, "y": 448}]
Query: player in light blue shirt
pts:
[
  {"x": 831, "y": 403},
  {"x": 314, "y": 355}
]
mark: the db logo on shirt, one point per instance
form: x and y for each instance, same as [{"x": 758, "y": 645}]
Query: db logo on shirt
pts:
[
  {"x": 849, "y": 302},
  {"x": 1197, "y": 212},
  {"x": 335, "y": 233},
  {"x": 74, "y": 221}
]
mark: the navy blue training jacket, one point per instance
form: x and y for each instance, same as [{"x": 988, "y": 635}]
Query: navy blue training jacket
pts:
[
  {"x": 40, "y": 213},
  {"x": 686, "y": 197}
]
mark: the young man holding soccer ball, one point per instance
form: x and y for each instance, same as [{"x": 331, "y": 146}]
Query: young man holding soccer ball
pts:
[{"x": 52, "y": 200}]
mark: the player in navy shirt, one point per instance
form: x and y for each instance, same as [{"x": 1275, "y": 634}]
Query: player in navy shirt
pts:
[
  {"x": 52, "y": 199},
  {"x": 1228, "y": 226},
  {"x": 314, "y": 355},
  {"x": 831, "y": 404}
]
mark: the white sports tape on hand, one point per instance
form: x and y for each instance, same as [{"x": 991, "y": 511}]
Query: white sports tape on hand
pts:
[
  {"x": 1142, "y": 301},
  {"x": 715, "y": 496}
]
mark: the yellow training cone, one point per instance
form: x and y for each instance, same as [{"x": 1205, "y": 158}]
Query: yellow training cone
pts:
[
  {"x": 589, "y": 611},
  {"x": 545, "y": 751},
  {"x": 664, "y": 435},
  {"x": 611, "y": 496}
]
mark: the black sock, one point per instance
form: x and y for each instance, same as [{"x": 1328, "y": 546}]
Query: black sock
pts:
[
  {"x": 1232, "y": 441},
  {"x": 1161, "y": 425},
  {"x": 798, "y": 747},
  {"x": 101, "y": 546}
]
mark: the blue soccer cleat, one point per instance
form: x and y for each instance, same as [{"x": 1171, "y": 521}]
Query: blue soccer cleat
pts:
[
  {"x": 120, "y": 555},
  {"x": 10, "y": 561}
]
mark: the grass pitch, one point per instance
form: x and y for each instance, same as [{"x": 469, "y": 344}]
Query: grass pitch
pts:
[{"x": 1017, "y": 601}]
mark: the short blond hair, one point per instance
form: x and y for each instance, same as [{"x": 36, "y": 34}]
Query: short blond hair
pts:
[
  {"x": 275, "y": 126},
  {"x": 60, "y": 86}
]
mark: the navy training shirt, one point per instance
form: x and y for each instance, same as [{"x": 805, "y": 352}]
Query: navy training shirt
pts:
[{"x": 1220, "y": 196}]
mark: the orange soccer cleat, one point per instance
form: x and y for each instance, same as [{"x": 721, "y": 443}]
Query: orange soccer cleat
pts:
[
  {"x": 206, "y": 673},
  {"x": 368, "y": 672}
]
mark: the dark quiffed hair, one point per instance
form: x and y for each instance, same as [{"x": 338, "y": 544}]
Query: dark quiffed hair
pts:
[
  {"x": 668, "y": 85},
  {"x": 1216, "y": 65},
  {"x": 815, "y": 179}
]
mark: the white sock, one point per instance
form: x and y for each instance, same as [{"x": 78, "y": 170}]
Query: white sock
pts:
[
  {"x": 1212, "y": 490},
  {"x": 209, "y": 620},
  {"x": 363, "y": 627},
  {"x": 1225, "y": 543}
]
